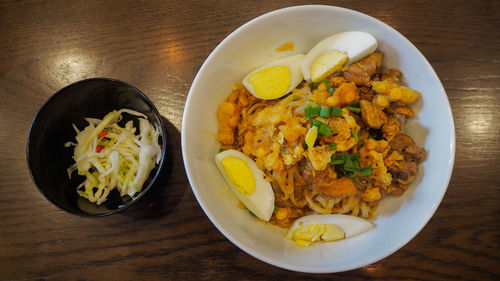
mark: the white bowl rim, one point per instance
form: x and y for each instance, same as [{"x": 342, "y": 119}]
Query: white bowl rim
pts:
[{"x": 250, "y": 251}]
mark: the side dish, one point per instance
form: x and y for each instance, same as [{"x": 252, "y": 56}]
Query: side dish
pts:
[
  {"x": 111, "y": 156},
  {"x": 329, "y": 143}
]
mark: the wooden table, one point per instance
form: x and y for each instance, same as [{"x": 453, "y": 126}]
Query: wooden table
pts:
[{"x": 158, "y": 46}]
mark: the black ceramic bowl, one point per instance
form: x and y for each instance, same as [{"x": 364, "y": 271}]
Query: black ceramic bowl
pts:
[{"x": 48, "y": 158}]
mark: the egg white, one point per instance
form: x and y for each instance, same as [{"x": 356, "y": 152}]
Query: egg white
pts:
[
  {"x": 356, "y": 44},
  {"x": 261, "y": 201},
  {"x": 293, "y": 62},
  {"x": 351, "y": 225}
]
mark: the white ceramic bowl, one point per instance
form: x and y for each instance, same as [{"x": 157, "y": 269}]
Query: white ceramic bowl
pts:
[{"x": 253, "y": 44}]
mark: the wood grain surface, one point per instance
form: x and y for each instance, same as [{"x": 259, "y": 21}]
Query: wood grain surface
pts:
[{"x": 158, "y": 46}]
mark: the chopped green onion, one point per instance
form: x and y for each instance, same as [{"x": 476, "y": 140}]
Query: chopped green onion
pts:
[
  {"x": 332, "y": 146},
  {"x": 324, "y": 112},
  {"x": 334, "y": 133},
  {"x": 355, "y": 135},
  {"x": 336, "y": 111},
  {"x": 275, "y": 209},
  {"x": 313, "y": 85},
  {"x": 337, "y": 162},
  {"x": 349, "y": 165},
  {"x": 354, "y": 109},
  {"x": 327, "y": 83},
  {"x": 354, "y": 103},
  {"x": 304, "y": 144},
  {"x": 312, "y": 110},
  {"x": 328, "y": 86},
  {"x": 283, "y": 148},
  {"x": 324, "y": 130},
  {"x": 365, "y": 171},
  {"x": 316, "y": 123},
  {"x": 338, "y": 158},
  {"x": 221, "y": 149}
]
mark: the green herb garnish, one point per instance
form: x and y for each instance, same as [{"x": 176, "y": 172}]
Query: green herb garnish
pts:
[
  {"x": 356, "y": 137},
  {"x": 332, "y": 146},
  {"x": 324, "y": 111},
  {"x": 365, "y": 171},
  {"x": 338, "y": 158},
  {"x": 354, "y": 103},
  {"x": 348, "y": 165},
  {"x": 312, "y": 110},
  {"x": 353, "y": 109},
  {"x": 316, "y": 123},
  {"x": 283, "y": 148},
  {"x": 327, "y": 83},
  {"x": 323, "y": 128},
  {"x": 313, "y": 85},
  {"x": 328, "y": 86},
  {"x": 336, "y": 111}
]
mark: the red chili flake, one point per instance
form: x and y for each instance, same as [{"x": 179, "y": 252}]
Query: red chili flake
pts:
[
  {"x": 102, "y": 133},
  {"x": 99, "y": 148}
]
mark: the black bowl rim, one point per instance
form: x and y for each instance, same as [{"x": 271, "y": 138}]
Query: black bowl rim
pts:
[{"x": 144, "y": 190}]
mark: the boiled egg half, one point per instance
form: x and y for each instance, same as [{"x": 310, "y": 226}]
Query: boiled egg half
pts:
[
  {"x": 331, "y": 54},
  {"x": 276, "y": 78},
  {"x": 326, "y": 227},
  {"x": 247, "y": 182}
]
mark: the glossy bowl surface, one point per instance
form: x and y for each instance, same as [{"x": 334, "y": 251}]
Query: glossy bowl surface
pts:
[
  {"x": 48, "y": 158},
  {"x": 398, "y": 219}
]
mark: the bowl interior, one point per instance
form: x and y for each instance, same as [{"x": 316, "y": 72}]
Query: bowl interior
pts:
[
  {"x": 49, "y": 159},
  {"x": 399, "y": 219}
]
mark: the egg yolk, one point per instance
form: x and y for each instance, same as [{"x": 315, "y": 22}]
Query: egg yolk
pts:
[
  {"x": 272, "y": 82},
  {"x": 305, "y": 235},
  {"x": 239, "y": 174},
  {"x": 326, "y": 64}
]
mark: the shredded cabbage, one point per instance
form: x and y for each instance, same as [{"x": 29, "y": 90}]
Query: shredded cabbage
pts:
[{"x": 110, "y": 156}]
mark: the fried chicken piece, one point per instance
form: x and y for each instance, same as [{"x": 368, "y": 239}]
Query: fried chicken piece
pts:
[
  {"x": 402, "y": 110},
  {"x": 392, "y": 74},
  {"x": 366, "y": 93},
  {"x": 372, "y": 115},
  {"x": 407, "y": 147},
  {"x": 365, "y": 70},
  {"x": 397, "y": 189},
  {"x": 403, "y": 171},
  {"x": 391, "y": 128}
]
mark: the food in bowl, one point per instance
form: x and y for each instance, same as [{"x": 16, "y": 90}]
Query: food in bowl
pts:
[
  {"x": 112, "y": 156},
  {"x": 332, "y": 145}
]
